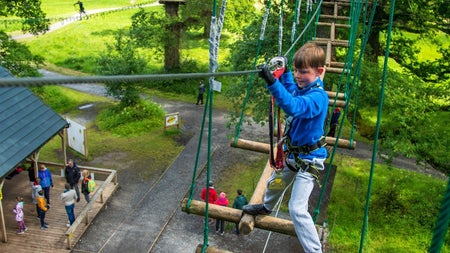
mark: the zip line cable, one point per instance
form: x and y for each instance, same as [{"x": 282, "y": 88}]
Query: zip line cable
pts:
[{"x": 40, "y": 81}]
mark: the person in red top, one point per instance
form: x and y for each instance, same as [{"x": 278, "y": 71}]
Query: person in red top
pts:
[
  {"x": 221, "y": 201},
  {"x": 212, "y": 195}
]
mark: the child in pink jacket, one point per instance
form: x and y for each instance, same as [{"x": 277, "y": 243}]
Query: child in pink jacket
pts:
[
  {"x": 18, "y": 210},
  {"x": 221, "y": 201}
]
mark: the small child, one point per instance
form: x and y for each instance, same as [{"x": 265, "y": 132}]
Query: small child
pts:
[
  {"x": 36, "y": 189},
  {"x": 84, "y": 185},
  {"x": 18, "y": 210},
  {"x": 221, "y": 201},
  {"x": 43, "y": 208}
]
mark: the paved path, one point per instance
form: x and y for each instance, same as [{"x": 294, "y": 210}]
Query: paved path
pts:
[{"x": 76, "y": 17}]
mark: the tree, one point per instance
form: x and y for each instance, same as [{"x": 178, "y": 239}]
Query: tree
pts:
[
  {"x": 14, "y": 56},
  {"x": 420, "y": 16},
  {"x": 122, "y": 59},
  {"x": 34, "y": 19},
  {"x": 17, "y": 58},
  {"x": 153, "y": 29}
]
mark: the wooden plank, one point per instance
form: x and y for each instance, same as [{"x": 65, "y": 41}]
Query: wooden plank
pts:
[{"x": 265, "y": 147}]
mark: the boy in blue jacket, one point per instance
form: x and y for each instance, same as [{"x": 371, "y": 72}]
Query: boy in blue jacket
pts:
[{"x": 305, "y": 104}]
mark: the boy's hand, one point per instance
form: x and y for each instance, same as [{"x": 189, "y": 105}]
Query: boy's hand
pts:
[{"x": 264, "y": 73}]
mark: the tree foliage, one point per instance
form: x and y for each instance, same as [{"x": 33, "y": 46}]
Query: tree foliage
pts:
[
  {"x": 17, "y": 58},
  {"x": 122, "y": 59},
  {"x": 34, "y": 19},
  {"x": 153, "y": 28}
]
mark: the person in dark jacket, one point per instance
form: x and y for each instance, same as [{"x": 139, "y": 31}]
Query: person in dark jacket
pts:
[
  {"x": 72, "y": 174},
  {"x": 239, "y": 202}
]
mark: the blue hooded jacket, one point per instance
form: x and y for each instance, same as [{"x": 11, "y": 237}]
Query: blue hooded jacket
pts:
[
  {"x": 307, "y": 106},
  {"x": 46, "y": 178}
]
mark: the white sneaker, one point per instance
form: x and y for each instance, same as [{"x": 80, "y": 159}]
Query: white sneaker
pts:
[{"x": 68, "y": 225}]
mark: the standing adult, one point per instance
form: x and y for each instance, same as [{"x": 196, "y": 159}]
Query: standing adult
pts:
[
  {"x": 212, "y": 196},
  {"x": 81, "y": 9},
  {"x": 46, "y": 181},
  {"x": 72, "y": 175},
  {"x": 32, "y": 178},
  {"x": 239, "y": 202},
  {"x": 201, "y": 90},
  {"x": 334, "y": 121},
  {"x": 68, "y": 197}
]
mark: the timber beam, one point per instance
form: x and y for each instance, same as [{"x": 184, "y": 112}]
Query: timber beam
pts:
[{"x": 265, "y": 147}]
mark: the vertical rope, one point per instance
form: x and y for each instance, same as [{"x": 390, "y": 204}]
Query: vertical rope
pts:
[
  {"x": 442, "y": 223},
  {"x": 249, "y": 86},
  {"x": 377, "y": 131}
]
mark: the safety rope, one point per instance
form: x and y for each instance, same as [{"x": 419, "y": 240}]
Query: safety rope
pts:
[
  {"x": 355, "y": 11},
  {"x": 441, "y": 227},
  {"x": 377, "y": 130},
  {"x": 252, "y": 77}
]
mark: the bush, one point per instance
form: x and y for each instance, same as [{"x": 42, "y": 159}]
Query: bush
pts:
[
  {"x": 131, "y": 120},
  {"x": 54, "y": 97}
]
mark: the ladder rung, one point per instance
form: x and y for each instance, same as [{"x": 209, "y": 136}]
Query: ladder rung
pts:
[
  {"x": 335, "y": 70},
  {"x": 335, "y": 24},
  {"x": 332, "y": 94},
  {"x": 339, "y": 103},
  {"x": 339, "y": 3},
  {"x": 324, "y": 41},
  {"x": 337, "y": 64},
  {"x": 334, "y": 17}
]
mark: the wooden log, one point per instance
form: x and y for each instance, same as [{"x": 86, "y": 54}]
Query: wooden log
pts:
[
  {"x": 248, "y": 221},
  {"x": 265, "y": 147},
  {"x": 339, "y": 103},
  {"x": 265, "y": 222},
  {"x": 332, "y": 94},
  {"x": 210, "y": 249}
]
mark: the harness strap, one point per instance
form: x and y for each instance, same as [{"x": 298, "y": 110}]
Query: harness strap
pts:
[
  {"x": 302, "y": 166},
  {"x": 305, "y": 149}
]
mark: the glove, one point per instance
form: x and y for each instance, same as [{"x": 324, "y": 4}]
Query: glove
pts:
[
  {"x": 278, "y": 66},
  {"x": 265, "y": 74}
]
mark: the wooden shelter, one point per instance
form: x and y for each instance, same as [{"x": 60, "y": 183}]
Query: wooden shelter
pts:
[{"x": 26, "y": 124}]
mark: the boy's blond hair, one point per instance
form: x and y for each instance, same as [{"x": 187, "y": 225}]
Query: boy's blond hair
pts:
[{"x": 310, "y": 55}]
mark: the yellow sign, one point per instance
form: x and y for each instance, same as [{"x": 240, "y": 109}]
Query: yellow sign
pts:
[{"x": 172, "y": 119}]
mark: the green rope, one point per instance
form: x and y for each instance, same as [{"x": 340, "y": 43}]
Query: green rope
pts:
[
  {"x": 252, "y": 77},
  {"x": 354, "y": 17},
  {"x": 377, "y": 131},
  {"x": 442, "y": 223}
]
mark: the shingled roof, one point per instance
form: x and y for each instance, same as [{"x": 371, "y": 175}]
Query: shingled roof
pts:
[{"x": 26, "y": 124}]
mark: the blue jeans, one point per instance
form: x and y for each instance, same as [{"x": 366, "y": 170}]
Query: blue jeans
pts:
[
  {"x": 70, "y": 213},
  {"x": 220, "y": 224},
  {"x": 303, "y": 184},
  {"x": 42, "y": 217},
  {"x": 47, "y": 194},
  {"x": 87, "y": 197}
]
